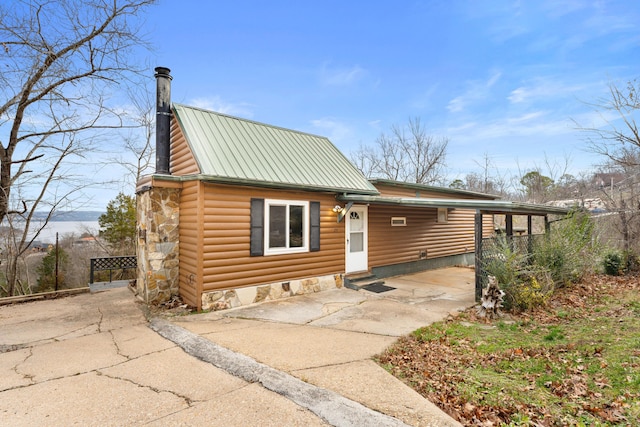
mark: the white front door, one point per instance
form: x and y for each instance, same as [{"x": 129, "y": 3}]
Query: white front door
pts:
[{"x": 357, "y": 241}]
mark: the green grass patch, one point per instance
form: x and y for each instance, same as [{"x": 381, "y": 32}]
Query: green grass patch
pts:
[{"x": 575, "y": 364}]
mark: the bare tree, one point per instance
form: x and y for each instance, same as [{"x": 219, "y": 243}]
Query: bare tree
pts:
[
  {"x": 366, "y": 160},
  {"x": 546, "y": 182},
  {"x": 618, "y": 141},
  {"x": 138, "y": 151},
  {"x": 408, "y": 153},
  {"x": 489, "y": 180},
  {"x": 61, "y": 61},
  {"x": 622, "y": 199}
]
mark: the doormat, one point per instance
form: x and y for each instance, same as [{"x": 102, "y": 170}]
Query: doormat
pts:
[{"x": 377, "y": 287}]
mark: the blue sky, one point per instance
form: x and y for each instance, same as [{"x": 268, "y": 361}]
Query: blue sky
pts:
[
  {"x": 505, "y": 79},
  {"x": 501, "y": 78}
]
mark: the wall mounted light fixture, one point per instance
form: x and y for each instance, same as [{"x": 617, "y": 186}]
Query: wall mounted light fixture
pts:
[{"x": 337, "y": 208}]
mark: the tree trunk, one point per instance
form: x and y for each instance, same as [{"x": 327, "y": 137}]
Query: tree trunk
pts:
[
  {"x": 5, "y": 183},
  {"x": 11, "y": 272},
  {"x": 491, "y": 300},
  {"x": 626, "y": 241}
]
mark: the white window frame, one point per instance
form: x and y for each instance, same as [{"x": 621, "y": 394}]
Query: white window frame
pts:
[{"x": 267, "y": 225}]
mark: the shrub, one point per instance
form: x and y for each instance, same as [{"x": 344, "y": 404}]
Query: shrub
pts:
[
  {"x": 525, "y": 284},
  {"x": 567, "y": 251},
  {"x": 612, "y": 263},
  {"x": 47, "y": 278},
  {"x": 532, "y": 291},
  {"x": 631, "y": 261},
  {"x": 506, "y": 263},
  {"x": 530, "y": 275}
]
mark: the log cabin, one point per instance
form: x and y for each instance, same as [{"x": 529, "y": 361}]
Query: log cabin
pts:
[{"x": 239, "y": 212}]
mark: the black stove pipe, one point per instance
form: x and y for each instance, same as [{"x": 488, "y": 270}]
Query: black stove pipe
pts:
[{"x": 163, "y": 119}]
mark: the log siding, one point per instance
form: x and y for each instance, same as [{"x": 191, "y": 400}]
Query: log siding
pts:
[
  {"x": 181, "y": 160},
  {"x": 422, "y": 237},
  {"x": 190, "y": 243},
  {"x": 224, "y": 237}
]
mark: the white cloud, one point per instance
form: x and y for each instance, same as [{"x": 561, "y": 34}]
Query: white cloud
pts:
[
  {"x": 538, "y": 123},
  {"x": 557, "y": 9},
  {"x": 425, "y": 99},
  {"x": 333, "y": 129},
  {"x": 518, "y": 95},
  {"x": 597, "y": 120},
  {"x": 477, "y": 91},
  {"x": 545, "y": 89},
  {"x": 525, "y": 118},
  {"x": 456, "y": 104},
  {"x": 604, "y": 21},
  {"x": 502, "y": 20},
  {"x": 216, "y": 103},
  {"x": 341, "y": 76},
  {"x": 493, "y": 79}
]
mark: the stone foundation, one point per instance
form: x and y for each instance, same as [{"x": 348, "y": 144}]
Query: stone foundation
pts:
[
  {"x": 222, "y": 300},
  {"x": 158, "y": 213}
]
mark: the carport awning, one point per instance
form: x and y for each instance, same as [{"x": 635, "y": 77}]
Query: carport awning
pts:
[{"x": 482, "y": 206}]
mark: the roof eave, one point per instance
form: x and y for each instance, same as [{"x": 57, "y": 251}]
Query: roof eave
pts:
[
  {"x": 267, "y": 184},
  {"x": 435, "y": 189},
  {"x": 483, "y": 206}
]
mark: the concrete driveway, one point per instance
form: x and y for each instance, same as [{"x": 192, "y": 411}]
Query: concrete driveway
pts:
[
  {"x": 329, "y": 338},
  {"x": 92, "y": 359},
  {"x": 417, "y": 300}
]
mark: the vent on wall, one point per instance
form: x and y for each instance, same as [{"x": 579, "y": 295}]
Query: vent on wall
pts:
[
  {"x": 398, "y": 221},
  {"x": 443, "y": 215}
]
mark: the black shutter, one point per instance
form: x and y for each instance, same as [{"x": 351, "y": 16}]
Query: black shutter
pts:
[
  {"x": 314, "y": 229},
  {"x": 257, "y": 227}
]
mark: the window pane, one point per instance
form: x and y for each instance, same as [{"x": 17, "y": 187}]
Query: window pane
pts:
[
  {"x": 296, "y": 215},
  {"x": 356, "y": 223},
  {"x": 356, "y": 242},
  {"x": 277, "y": 226}
]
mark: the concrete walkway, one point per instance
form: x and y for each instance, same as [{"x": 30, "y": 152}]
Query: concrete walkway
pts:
[{"x": 92, "y": 359}]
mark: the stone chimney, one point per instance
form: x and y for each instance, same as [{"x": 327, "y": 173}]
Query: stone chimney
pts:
[{"x": 158, "y": 213}]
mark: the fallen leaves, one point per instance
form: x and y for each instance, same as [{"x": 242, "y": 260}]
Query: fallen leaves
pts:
[{"x": 439, "y": 366}]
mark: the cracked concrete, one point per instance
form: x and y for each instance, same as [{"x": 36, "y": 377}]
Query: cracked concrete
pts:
[
  {"x": 328, "y": 339},
  {"x": 328, "y": 405},
  {"x": 91, "y": 359}
]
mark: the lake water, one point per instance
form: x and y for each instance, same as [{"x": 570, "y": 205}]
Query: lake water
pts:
[{"x": 48, "y": 235}]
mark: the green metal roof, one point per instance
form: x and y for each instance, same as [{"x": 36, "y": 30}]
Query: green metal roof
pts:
[
  {"x": 484, "y": 206},
  {"x": 233, "y": 150}
]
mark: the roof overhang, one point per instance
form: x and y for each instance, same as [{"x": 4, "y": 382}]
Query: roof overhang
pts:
[
  {"x": 261, "y": 184},
  {"x": 481, "y": 206},
  {"x": 433, "y": 189}
]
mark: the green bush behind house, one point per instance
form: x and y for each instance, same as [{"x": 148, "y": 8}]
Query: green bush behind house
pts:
[{"x": 561, "y": 257}]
